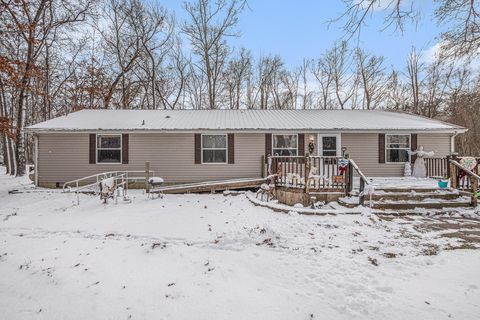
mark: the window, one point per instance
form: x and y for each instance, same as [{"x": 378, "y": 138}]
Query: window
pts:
[
  {"x": 397, "y": 148},
  {"x": 284, "y": 144},
  {"x": 109, "y": 148},
  {"x": 329, "y": 146},
  {"x": 214, "y": 148}
]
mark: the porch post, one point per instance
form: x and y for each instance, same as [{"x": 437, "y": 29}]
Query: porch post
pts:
[
  {"x": 307, "y": 171},
  {"x": 361, "y": 199},
  {"x": 453, "y": 172},
  {"x": 474, "y": 183},
  {"x": 147, "y": 176}
]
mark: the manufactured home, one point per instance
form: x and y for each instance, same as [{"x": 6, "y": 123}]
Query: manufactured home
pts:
[{"x": 203, "y": 145}]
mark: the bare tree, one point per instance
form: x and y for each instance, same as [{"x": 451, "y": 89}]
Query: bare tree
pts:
[
  {"x": 344, "y": 80},
  {"x": 238, "y": 71},
  {"x": 33, "y": 23},
  {"x": 395, "y": 92},
  {"x": 132, "y": 33},
  {"x": 211, "y": 23},
  {"x": 323, "y": 72},
  {"x": 372, "y": 78},
  {"x": 414, "y": 68},
  {"x": 462, "y": 18}
]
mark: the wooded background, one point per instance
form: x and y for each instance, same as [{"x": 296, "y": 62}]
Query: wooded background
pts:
[{"x": 60, "y": 56}]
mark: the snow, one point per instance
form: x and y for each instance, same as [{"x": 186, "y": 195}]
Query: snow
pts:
[
  {"x": 168, "y": 120},
  {"x": 156, "y": 180},
  {"x": 404, "y": 182},
  {"x": 222, "y": 257}
]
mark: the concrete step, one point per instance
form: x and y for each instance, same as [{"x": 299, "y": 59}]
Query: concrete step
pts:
[
  {"x": 402, "y": 189},
  {"x": 407, "y": 205},
  {"x": 414, "y": 195}
]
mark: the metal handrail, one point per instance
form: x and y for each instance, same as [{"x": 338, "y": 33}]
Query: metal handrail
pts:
[
  {"x": 96, "y": 176},
  {"x": 123, "y": 175}
]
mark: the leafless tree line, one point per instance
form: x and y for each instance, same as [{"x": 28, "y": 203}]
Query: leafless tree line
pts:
[{"x": 59, "y": 56}]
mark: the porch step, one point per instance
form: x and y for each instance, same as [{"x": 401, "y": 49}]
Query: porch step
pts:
[
  {"x": 412, "y": 198},
  {"x": 408, "y": 205},
  {"x": 402, "y": 199},
  {"x": 407, "y": 190},
  {"x": 439, "y": 194}
]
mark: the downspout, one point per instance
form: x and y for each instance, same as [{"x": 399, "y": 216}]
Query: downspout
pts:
[
  {"x": 452, "y": 142},
  {"x": 35, "y": 158}
]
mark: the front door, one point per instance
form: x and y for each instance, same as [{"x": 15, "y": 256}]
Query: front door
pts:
[{"x": 329, "y": 145}]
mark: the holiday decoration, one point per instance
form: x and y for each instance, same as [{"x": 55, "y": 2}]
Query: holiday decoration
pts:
[
  {"x": 342, "y": 165},
  {"x": 407, "y": 171},
  {"x": 419, "y": 169},
  {"x": 468, "y": 163}
]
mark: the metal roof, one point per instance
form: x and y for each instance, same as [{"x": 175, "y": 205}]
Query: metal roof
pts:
[{"x": 241, "y": 120}]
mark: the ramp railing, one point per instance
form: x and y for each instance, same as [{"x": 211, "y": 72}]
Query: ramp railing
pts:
[{"x": 122, "y": 178}]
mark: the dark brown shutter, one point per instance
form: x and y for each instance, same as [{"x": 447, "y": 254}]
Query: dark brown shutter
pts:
[
  {"x": 381, "y": 148},
  {"x": 198, "y": 148},
  {"x": 125, "y": 148},
  {"x": 301, "y": 144},
  {"x": 231, "y": 148},
  {"x": 413, "y": 146},
  {"x": 268, "y": 145},
  {"x": 92, "y": 149}
]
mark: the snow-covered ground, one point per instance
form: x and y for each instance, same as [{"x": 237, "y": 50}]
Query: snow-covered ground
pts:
[{"x": 221, "y": 257}]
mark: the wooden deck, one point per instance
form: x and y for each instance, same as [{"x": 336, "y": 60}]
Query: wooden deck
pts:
[{"x": 211, "y": 186}]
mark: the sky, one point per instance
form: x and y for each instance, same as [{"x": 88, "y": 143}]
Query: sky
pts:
[{"x": 295, "y": 29}]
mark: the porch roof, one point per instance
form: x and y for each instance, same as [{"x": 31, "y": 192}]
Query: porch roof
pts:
[{"x": 242, "y": 120}]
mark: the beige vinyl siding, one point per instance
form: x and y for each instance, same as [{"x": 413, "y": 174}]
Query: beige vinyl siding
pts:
[
  {"x": 439, "y": 143},
  {"x": 363, "y": 148},
  {"x": 63, "y": 157}
]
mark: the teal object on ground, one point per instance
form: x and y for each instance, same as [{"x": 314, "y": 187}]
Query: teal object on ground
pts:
[{"x": 443, "y": 184}]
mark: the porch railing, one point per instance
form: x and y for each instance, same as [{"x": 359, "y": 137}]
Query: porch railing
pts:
[
  {"x": 310, "y": 173},
  {"x": 436, "y": 167}
]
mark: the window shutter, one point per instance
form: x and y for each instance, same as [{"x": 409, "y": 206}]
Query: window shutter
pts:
[
  {"x": 301, "y": 144},
  {"x": 231, "y": 148},
  {"x": 381, "y": 148},
  {"x": 93, "y": 149},
  {"x": 268, "y": 145},
  {"x": 198, "y": 148},
  {"x": 413, "y": 146},
  {"x": 125, "y": 148}
]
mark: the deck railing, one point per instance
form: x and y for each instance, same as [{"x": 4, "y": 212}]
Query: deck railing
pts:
[
  {"x": 312, "y": 173},
  {"x": 436, "y": 167}
]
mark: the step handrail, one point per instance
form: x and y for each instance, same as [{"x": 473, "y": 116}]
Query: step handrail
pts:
[
  {"x": 363, "y": 181},
  {"x": 474, "y": 180},
  {"x": 360, "y": 173},
  {"x": 470, "y": 172}
]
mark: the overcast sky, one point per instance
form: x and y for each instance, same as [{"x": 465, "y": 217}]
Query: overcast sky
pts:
[{"x": 299, "y": 28}]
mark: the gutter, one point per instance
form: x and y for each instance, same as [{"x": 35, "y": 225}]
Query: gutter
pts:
[{"x": 455, "y": 131}]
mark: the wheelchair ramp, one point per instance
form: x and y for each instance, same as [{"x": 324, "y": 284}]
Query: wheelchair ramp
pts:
[{"x": 211, "y": 186}]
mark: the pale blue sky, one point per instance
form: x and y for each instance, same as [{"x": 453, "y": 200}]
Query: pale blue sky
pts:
[{"x": 298, "y": 28}]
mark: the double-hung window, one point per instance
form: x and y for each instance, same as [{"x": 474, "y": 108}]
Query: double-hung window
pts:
[
  {"x": 109, "y": 148},
  {"x": 397, "y": 147},
  {"x": 214, "y": 148},
  {"x": 284, "y": 144}
]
